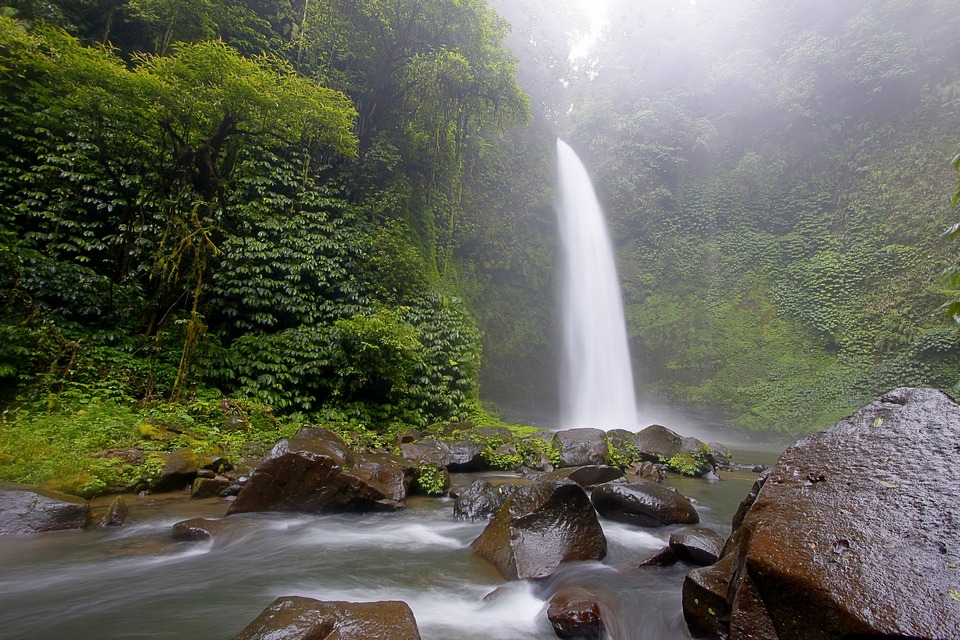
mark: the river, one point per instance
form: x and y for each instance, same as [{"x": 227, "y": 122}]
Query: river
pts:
[{"x": 136, "y": 582}]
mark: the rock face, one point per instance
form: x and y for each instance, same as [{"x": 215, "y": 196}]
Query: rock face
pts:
[
  {"x": 581, "y": 447},
  {"x": 853, "y": 533},
  {"x": 540, "y": 526},
  {"x": 29, "y": 510},
  {"x": 298, "y": 618},
  {"x": 313, "y": 472},
  {"x": 645, "y": 504}
]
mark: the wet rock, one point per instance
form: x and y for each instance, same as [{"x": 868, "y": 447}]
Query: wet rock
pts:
[
  {"x": 209, "y": 487},
  {"x": 722, "y": 455},
  {"x": 461, "y": 456},
  {"x": 705, "y": 607},
  {"x": 116, "y": 513},
  {"x": 697, "y": 545},
  {"x": 198, "y": 529},
  {"x": 588, "y": 476},
  {"x": 299, "y": 618},
  {"x": 575, "y": 613},
  {"x": 581, "y": 447},
  {"x": 314, "y": 472},
  {"x": 481, "y": 499},
  {"x": 26, "y": 510},
  {"x": 181, "y": 467},
  {"x": 852, "y": 534},
  {"x": 645, "y": 504},
  {"x": 657, "y": 443},
  {"x": 663, "y": 558},
  {"x": 540, "y": 526},
  {"x": 650, "y": 471}
]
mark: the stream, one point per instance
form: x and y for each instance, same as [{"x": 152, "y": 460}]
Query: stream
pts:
[{"x": 136, "y": 582}]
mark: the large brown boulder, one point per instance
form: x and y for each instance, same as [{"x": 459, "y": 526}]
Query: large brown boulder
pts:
[
  {"x": 852, "y": 534},
  {"x": 481, "y": 499},
  {"x": 575, "y": 614},
  {"x": 460, "y": 456},
  {"x": 314, "y": 472},
  {"x": 581, "y": 447},
  {"x": 26, "y": 509},
  {"x": 645, "y": 504},
  {"x": 540, "y": 526},
  {"x": 299, "y": 618}
]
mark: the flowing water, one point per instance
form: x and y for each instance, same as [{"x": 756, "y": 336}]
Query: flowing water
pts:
[
  {"x": 136, "y": 582},
  {"x": 597, "y": 387}
]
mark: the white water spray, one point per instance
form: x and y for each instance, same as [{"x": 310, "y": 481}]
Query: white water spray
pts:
[{"x": 597, "y": 387}]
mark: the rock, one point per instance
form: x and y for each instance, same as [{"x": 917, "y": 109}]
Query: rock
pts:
[
  {"x": 116, "y": 514},
  {"x": 309, "y": 473},
  {"x": 125, "y": 456},
  {"x": 663, "y": 558},
  {"x": 657, "y": 443},
  {"x": 705, "y": 607},
  {"x": 697, "y": 545},
  {"x": 209, "y": 487},
  {"x": 581, "y": 447},
  {"x": 575, "y": 613},
  {"x": 852, "y": 534},
  {"x": 299, "y": 618},
  {"x": 721, "y": 454},
  {"x": 497, "y": 434},
  {"x": 588, "y": 476},
  {"x": 481, "y": 500},
  {"x": 198, "y": 529},
  {"x": 645, "y": 504},
  {"x": 180, "y": 468},
  {"x": 650, "y": 471},
  {"x": 152, "y": 429},
  {"x": 461, "y": 456},
  {"x": 540, "y": 526},
  {"x": 26, "y": 509}
]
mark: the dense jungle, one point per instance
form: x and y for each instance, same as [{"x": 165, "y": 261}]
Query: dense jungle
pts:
[{"x": 340, "y": 212}]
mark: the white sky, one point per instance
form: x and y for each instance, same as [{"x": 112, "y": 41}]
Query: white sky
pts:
[{"x": 597, "y": 12}]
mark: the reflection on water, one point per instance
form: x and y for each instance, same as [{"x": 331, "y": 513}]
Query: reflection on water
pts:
[{"x": 135, "y": 582}]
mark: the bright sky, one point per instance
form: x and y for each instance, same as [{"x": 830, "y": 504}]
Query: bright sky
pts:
[{"x": 596, "y": 10}]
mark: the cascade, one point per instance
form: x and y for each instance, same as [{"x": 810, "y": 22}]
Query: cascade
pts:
[{"x": 597, "y": 381}]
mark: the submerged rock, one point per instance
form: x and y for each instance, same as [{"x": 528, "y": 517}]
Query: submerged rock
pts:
[
  {"x": 26, "y": 509},
  {"x": 852, "y": 534},
  {"x": 644, "y": 504},
  {"x": 581, "y": 447},
  {"x": 299, "y": 618},
  {"x": 198, "y": 529},
  {"x": 314, "y": 472},
  {"x": 539, "y": 527}
]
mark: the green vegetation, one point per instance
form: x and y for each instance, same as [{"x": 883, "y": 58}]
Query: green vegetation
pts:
[{"x": 340, "y": 213}]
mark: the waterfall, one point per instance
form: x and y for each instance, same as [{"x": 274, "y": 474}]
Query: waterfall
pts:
[{"x": 597, "y": 381}]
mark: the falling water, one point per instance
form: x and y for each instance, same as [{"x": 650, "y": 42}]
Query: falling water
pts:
[{"x": 597, "y": 387}]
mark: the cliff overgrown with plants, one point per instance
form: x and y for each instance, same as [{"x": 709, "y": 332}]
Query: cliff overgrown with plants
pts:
[
  {"x": 264, "y": 208},
  {"x": 778, "y": 182}
]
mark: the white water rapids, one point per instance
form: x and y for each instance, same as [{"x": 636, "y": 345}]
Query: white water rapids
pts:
[{"x": 597, "y": 381}]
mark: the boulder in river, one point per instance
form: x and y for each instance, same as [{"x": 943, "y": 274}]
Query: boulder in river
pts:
[
  {"x": 299, "y": 618},
  {"x": 539, "y": 527},
  {"x": 460, "y": 456},
  {"x": 481, "y": 499},
  {"x": 26, "y": 509},
  {"x": 645, "y": 504},
  {"x": 697, "y": 545},
  {"x": 588, "y": 476},
  {"x": 853, "y": 533},
  {"x": 314, "y": 472},
  {"x": 575, "y": 613},
  {"x": 581, "y": 447}
]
